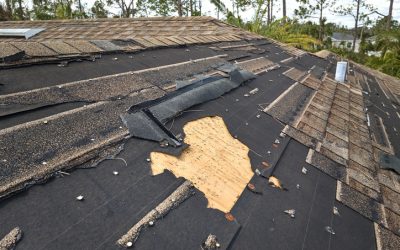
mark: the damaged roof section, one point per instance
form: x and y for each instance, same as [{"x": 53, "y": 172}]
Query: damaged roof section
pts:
[
  {"x": 204, "y": 145},
  {"x": 104, "y": 88},
  {"x": 65, "y": 37},
  {"x": 336, "y": 126},
  {"x": 148, "y": 123}
]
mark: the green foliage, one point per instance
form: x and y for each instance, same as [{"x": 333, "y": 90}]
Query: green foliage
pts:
[
  {"x": 43, "y": 10},
  {"x": 13, "y": 10},
  {"x": 63, "y": 9},
  {"x": 99, "y": 9},
  {"x": 290, "y": 33},
  {"x": 5, "y": 13},
  {"x": 388, "y": 43},
  {"x": 310, "y": 8},
  {"x": 219, "y": 5}
]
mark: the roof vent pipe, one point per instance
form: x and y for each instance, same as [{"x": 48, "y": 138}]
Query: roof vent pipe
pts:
[{"x": 341, "y": 68}]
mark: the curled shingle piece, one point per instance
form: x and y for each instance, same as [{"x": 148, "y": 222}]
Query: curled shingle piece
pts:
[
  {"x": 7, "y": 50},
  {"x": 11, "y": 239},
  {"x": 183, "y": 192},
  {"x": 34, "y": 49}
]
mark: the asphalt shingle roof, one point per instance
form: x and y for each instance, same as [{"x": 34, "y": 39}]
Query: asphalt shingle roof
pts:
[{"x": 61, "y": 125}]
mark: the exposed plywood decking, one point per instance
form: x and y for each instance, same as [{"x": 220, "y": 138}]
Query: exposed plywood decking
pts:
[{"x": 215, "y": 162}]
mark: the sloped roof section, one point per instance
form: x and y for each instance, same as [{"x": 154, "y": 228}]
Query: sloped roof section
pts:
[
  {"x": 67, "y": 37},
  {"x": 188, "y": 133}
]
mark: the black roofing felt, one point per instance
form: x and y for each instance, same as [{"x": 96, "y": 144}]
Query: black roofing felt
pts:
[
  {"x": 39, "y": 76},
  {"x": 264, "y": 223},
  {"x": 52, "y": 218},
  {"x": 19, "y": 118},
  {"x": 379, "y": 105}
]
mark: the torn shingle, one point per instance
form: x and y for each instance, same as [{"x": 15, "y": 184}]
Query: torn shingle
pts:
[
  {"x": 393, "y": 221},
  {"x": 326, "y": 165},
  {"x": 357, "y": 185},
  {"x": 389, "y": 179},
  {"x": 97, "y": 89},
  {"x": 196, "y": 95},
  {"x": 83, "y": 46},
  {"x": 183, "y": 192},
  {"x": 312, "y": 82},
  {"x": 107, "y": 45},
  {"x": 391, "y": 199},
  {"x": 390, "y": 162},
  {"x": 361, "y": 203},
  {"x": 86, "y": 131},
  {"x": 300, "y": 136},
  {"x": 295, "y": 74},
  {"x": 61, "y": 47},
  {"x": 34, "y": 49},
  {"x": 336, "y": 145},
  {"x": 257, "y": 65},
  {"x": 11, "y": 239},
  {"x": 162, "y": 76},
  {"x": 142, "y": 124},
  {"x": 8, "y": 50},
  {"x": 289, "y": 106},
  {"x": 385, "y": 239},
  {"x": 361, "y": 156},
  {"x": 332, "y": 155}
]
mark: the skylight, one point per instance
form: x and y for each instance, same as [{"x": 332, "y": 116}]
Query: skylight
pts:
[{"x": 27, "y": 33}]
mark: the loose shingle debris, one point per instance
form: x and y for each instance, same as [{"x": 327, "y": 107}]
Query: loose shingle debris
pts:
[
  {"x": 10, "y": 241},
  {"x": 330, "y": 230},
  {"x": 275, "y": 182},
  {"x": 183, "y": 192},
  {"x": 252, "y": 188},
  {"x": 290, "y": 212},
  {"x": 336, "y": 211},
  {"x": 230, "y": 217},
  {"x": 211, "y": 243}
]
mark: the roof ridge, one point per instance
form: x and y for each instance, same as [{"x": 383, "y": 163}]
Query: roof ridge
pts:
[{"x": 154, "y": 18}]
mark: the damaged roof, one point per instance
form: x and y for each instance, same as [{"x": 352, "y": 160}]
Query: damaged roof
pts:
[{"x": 189, "y": 133}]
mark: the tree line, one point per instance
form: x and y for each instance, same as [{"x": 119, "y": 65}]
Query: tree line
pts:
[
  {"x": 78, "y": 9},
  {"x": 263, "y": 10},
  {"x": 307, "y": 27}
]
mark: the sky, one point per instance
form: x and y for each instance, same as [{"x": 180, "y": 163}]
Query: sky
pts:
[{"x": 209, "y": 9}]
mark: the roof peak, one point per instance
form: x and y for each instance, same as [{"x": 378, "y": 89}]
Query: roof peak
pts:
[{"x": 156, "y": 18}]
